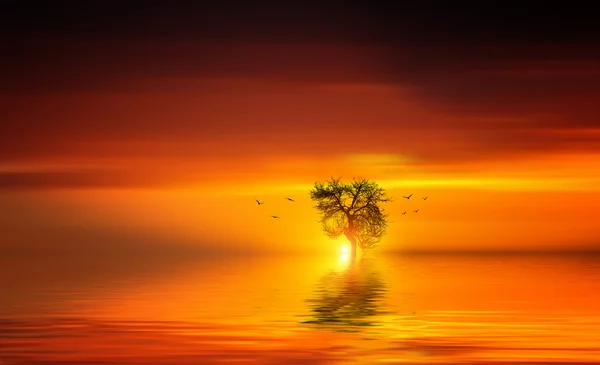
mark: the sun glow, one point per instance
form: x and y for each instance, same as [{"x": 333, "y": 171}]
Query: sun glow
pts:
[
  {"x": 344, "y": 254},
  {"x": 344, "y": 257}
]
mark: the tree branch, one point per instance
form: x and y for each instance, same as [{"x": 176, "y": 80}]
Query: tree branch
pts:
[
  {"x": 357, "y": 192},
  {"x": 366, "y": 224}
]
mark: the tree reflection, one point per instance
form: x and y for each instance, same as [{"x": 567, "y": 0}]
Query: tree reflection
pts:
[{"x": 348, "y": 299}]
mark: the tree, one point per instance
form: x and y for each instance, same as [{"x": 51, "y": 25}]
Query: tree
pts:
[{"x": 352, "y": 209}]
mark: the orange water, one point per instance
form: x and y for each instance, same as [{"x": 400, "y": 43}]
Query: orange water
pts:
[{"x": 295, "y": 310}]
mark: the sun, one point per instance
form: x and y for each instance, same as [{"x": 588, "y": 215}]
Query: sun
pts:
[
  {"x": 344, "y": 259},
  {"x": 344, "y": 249}
]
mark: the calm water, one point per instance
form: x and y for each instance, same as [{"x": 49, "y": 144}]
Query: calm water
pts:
[{"x": 289, "y": 310}]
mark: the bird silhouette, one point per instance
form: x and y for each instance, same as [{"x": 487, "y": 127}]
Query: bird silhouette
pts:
[
  {"x": 407, "y": 197},
  {"x": 417, "y": 211},
  {"x": 290, "y": 199},
  {"x": 274, "y": 216},
  {"x": 425, "y": 198},
  {"x": 403, "y": 212},
  {"x": 259, "y": 203}
]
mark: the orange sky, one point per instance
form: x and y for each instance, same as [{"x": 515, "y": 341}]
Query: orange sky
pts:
[{"x": 169, "y": 139}]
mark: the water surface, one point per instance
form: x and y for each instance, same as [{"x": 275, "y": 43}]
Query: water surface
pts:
[{"x": 292, "y": 310}]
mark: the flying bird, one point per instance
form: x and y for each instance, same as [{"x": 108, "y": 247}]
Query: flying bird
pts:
[
  {"x": 425, "y": 198},
  {"x": 407, "y": 197},
  {"x": 290, "y": 199},
  {"x": 403, "y": 212},
  {"x": 259, "y": 203},
  {"x": 417, "y": 211},
  {"x": 274, "y": 216}
]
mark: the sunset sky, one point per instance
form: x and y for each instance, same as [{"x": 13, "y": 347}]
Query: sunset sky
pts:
[{"x": 133, "y": 127}]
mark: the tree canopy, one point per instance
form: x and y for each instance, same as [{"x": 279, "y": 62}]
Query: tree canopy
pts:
[{"x": 352, "y": 209}]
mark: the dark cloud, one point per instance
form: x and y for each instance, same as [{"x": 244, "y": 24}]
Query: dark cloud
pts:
[
  {"x": 300, "y": 20},
  {"x": 146, "y": 176},
  {"x": 37, "y": 180},
  {"x": 106, "y": 39},
  {"x": 498, "y": 78}
]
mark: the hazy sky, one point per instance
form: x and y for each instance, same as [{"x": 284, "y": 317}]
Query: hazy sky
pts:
[{"x": 158, "y": 123}]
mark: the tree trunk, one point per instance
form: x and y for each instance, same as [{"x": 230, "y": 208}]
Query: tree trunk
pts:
[
  {"x": 352, "y": 247},
  {"x": 350, "y": 236}
]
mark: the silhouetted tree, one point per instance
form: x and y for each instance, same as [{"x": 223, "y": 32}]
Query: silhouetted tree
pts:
[{"x": 352, "y": 209}]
